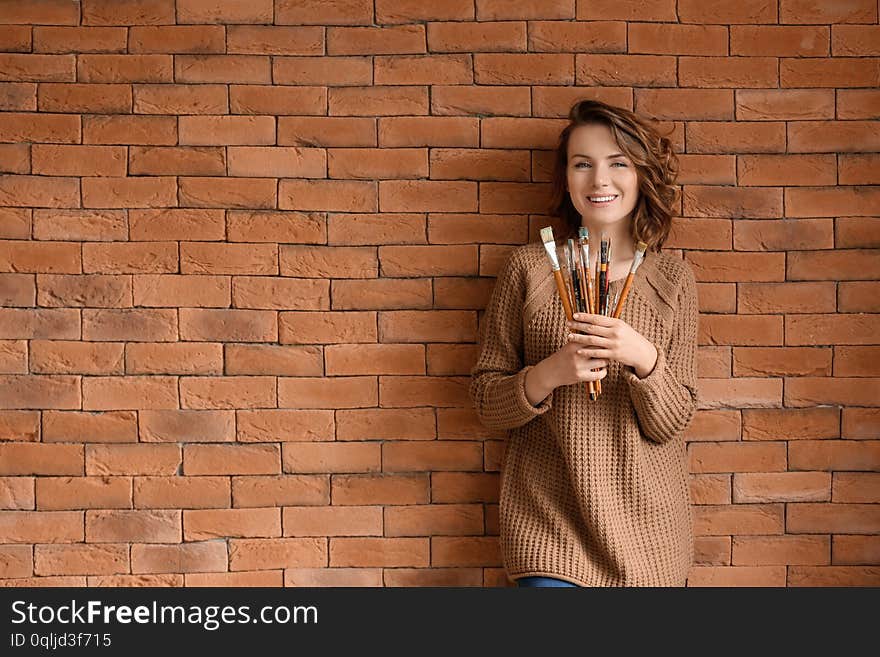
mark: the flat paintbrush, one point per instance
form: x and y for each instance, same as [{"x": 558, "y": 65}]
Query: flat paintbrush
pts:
[{"x": 638, "y": 257}]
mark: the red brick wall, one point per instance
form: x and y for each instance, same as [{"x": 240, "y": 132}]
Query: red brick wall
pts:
[{"x": 244, "y": 247}]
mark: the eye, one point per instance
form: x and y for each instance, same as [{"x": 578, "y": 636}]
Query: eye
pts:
[
  {"x": 580, "y": 163},
  {"x": 620, "y": 163}
]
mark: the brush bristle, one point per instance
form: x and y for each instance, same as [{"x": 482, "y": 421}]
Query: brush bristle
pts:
[
  {"x": 547, "y": 234},
  {"x": 641, "y": 246},
  {"x": 583, "y": 231}
]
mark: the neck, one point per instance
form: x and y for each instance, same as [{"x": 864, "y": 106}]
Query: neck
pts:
[{"x": 623, "y": 247}]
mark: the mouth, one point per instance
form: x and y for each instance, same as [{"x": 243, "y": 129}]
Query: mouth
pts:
[{"x": 602, "y": 201}]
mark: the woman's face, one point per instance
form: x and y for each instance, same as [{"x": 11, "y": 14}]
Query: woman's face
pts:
[{"x": 602, "y": 182}]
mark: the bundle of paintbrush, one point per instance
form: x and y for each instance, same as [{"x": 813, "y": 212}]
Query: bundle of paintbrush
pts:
[{"x": 571, "y": 267}]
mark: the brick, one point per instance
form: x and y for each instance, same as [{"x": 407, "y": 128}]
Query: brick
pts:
[
  {"x": 334, "y": 195},
  {"x": 464, "y": 487},
  {"x": 860, "y": 423},
  {"x": 73, "y": 357},
  {"x": 748, "y": 11},
  {"x": 328, "y": 327},
  {"x": 39, "y": 68},
  {"x": 328, "y": 262},
  {"x": 93, "y": 98},
  {"x": 429, "y": 131},
  {"x": 855, "y": 550},
  {"x": 760, "y": 487},
  {"x": 22, "y": 426},
  {"x": 828, "y": 329},
  {"x": 712, "y": 551},
  {"x": 48, "y": 192},
  {"x": 123, "y": 68},
  {"x": 727, "y": 72},
  {"x": 206, "y": 258},
  {"x": 266, "y": 99},
  {"x": 858, "y": 170},
  {"x": 172, "y": 426},
  {"x": 427, "y": 196},
  {"x": 79, "y": 39},
  {"x": 180, "y": 99},
  {"x": 228, "y": 392},
  {"x": 333, "y": 577},
  {"x": 857, "y": 361},
  {"x": 133, "y": 526},
  {"x": 858, "y": 103},
  {"x": 710, "y": 488},
  {"x": 272, "y": 226},
  {"x": 431, "y": 520},
  {"x": 789, "y": 423},
  {"x": 431, "y": 326},
  {"x": 800, "y": 11},
  {"x": 129, "y": 392},
  {"x": 40, "y": 392},
  {"x": 784, "y": 104},
  {"x": 242, "y": 579},
  {"x": 828, "y": 72},
  {"x": 768, "y": 170},
  {"x": 38, "y": 459},
  {"x": 417, "y": 390},
  {"x": 475, "y": 164},
  {"x": 409, "y": 261},
  {"x": 465, "y": 551},
  {"x": 119, "y": 192},
  {"x": 46, "y": 323},
  {"x": 835, "y": 455},
  {"x": 717, "y": 297},
  {"x": 335, "y": 393},
  {"x": 320, "y": 458},
  {"x": 375, "y": 359},
  {"x": 483, "y": 36},
  {"x": 177, "y": 39},
  {"x": 740, "y": 392},
  {"x": 515, "y": 68},
  {"x": 779, "y": 40},
  {"x": 741, "y": 329},
  {"x": 228, "y": 325},
  {"x": 178, "y": 224},
  {"x": 433, "y": 456},
  {"x": 434, "y": 577},
  {"x": 781, "y": 550},
  {"x": 714, "y": 425},
  {"x": 736, "y": 137},
  {"x": 133, "y": 130},
  {"x": 556, "y": 36},
  {"x": 322, "y": 71},
  {"x": 837, "y": 265},
  {"x": 462, "y": 293},
  {"x": 407, "y": 11},
  {"x": 745, "y": 202},
  {"x": 820, "y": 517},
  {"x": 274, "y": 359},
  {"x": 231, "y": 459},
  {"x": 810, "y": 391},
  {"x": 16, "y": 561},
  {"x": 274, "y": 40},
  {"x": 80, "y": 225},
  {"x": 283, "y": 490},
  {"x": 41, "y": 526},
  {"x": 346, "y": 551},
  {"x": 747, "y": 519},
  {"x": 685, "y": 104},
  {"x": 737, "y": 457},
  {"x": 205, "y": 557},
  {"x": 326, "y": 131},
  {"x": 68, "y": 493},
  {"x": 175, "y": 291},
  {"x": 423, "y": 69},
  {"x": 386, "y": 424},
  {"x": 88, "y": 427},
  {"x": 315, "y": 12},
  {"x": 377, "y": 163},
  {"x": 280, "y": 293},
  {"x": 230, "y": 69},
  {"x": 273, "y": 425},
  {"x": 388, "y": 100},
  {"x": 837, "y": 576},
  {"x": 16, "y": 158},
  {"x": 815, "y": 201},
  {"x": 780, "y": 235},
  {"x": 102, "y": 460},
  {"x": 627, "y": 10},
  {"x": 381, "y": 294},
  {"x": 363, "y": 229},
  {"x": 80, "y": 559},
  {"x": 333, "y": 521},
  {"x": 737, "y": 267},
  {"x": 177, "y": 492},
  {"x": 487, "y": 100},
  {"x": 199, "y": 11},
  {"x": 205, "y": 524},
  {"x": 792, "y": 297},
  {"x": 626, "y": 70},
  {"x": 386, "y": 489},
  {"x": 22, "y": 96},
  {"x": 277, "y": 553},
  {"x": 129, "y": 324},
  {"x": 17, "y": 494},
  {"x": 855, "y": 487}
]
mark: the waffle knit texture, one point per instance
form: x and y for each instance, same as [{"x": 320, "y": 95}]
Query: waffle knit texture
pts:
[{"x": 593, "y": 492}]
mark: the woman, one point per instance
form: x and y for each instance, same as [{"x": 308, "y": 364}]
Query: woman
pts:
[{"x": 596, "y": 493}]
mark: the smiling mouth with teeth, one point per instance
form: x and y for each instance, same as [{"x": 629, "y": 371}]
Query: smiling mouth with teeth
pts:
[{"x": 601, "y": 199}]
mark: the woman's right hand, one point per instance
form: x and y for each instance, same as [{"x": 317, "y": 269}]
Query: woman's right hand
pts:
[{"x": 566, "y": 366}]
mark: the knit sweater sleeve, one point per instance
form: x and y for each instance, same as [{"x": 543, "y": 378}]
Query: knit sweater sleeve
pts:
[
  {"x": 665, "y": 399},
  {"x": 497, "y": 387}
]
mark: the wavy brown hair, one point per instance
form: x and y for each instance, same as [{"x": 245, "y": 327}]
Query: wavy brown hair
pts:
[{"x": 650, "y": 152}]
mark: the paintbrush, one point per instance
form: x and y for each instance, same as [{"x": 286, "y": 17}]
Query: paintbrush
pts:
[
  {"x": 586, "y": 281},
  {"x": 603, "y": 275},
  {"x": 561, "y": 288},
  {"x": 638, "y": 257}
]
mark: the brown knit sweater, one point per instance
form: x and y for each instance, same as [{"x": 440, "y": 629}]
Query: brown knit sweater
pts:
[{"x": 595, "y": 493}]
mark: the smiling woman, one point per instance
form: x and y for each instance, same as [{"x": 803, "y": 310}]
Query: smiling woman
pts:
[{"x": 596, "y": 492}]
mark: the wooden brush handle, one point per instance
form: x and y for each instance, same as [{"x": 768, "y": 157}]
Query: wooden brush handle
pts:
[
  {"x": 566, "y": 306},
  {"x": 623, "y": 294}
]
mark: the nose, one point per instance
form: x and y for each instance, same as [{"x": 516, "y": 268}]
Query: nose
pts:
[{"x": 601, "y": 176}]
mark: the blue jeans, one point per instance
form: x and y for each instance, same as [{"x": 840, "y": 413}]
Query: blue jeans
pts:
[{"x": 543, "y": 581}]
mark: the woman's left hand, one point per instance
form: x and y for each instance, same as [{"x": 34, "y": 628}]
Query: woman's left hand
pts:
[{"x": 613, "y": 339}]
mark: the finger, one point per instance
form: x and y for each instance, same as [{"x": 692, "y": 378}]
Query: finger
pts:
[
  {"x": 594, "y": 363},
  {"x": 595, "y": 352},
  {"x": 596, "y": 329},
  {"x": 593, "y": 375},
  {"x": 591, "y": 340},
  {"x": 591, "y": 318}
]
